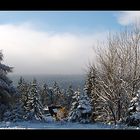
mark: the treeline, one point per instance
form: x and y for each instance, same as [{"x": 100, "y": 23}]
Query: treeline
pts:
[
  {"x": 29, "y": 101},
  {"x": 111, "y": 93}
]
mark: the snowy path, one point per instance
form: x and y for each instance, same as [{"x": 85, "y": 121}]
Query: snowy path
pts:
[{"x": 56, "y": 125}]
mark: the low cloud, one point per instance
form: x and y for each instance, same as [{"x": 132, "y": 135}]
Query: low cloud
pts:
[{"x": 31, "y": 51}]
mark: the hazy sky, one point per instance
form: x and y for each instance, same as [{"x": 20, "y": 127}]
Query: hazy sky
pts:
[{"x": 48, "y": 42}]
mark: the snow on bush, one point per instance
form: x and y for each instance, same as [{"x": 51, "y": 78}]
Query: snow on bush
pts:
[{"x": 134, "y": 111}]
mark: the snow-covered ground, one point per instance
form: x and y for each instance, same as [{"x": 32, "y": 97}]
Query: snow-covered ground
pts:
[{"x": 59, "y": 125}]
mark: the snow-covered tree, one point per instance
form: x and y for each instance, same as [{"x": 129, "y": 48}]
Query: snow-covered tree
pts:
[
  {"x": 133, "y": 118},
  {"x": 81, "y": 109},
  {"x": 68, "y": 97},
  {"x": 17, "y": 113},
  {"x": 20, "y": 109},
  {"x": 34, "y": 108},
  {"x": 44, "y": 95},
  {"x": 49, "y": 95},
  {"x": 58, "y": 95},
  {"x": 118, "y": 70},
  {"x": 91, "y": 87},
  {"x": 23, "y": 88},
  {"x": 50, "y": 98},
  {"x": 7, "y": 91},
  {"x": 63, "y": 98},
  {"x": 20, "y": 85}
]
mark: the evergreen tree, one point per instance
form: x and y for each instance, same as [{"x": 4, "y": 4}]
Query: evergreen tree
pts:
[
  {"x": 7, "y": 91},
  {"x": 133, "y": 118},
  {"x": 69, "y": 95},
  {"x": 44, "y": 95},
  {"x": 20, "y": 85},
  {"x": 50, "y": 98},
  {"x": 58, "y": 95},
  {"x": 64, "y": 99},
  {"x": 81, "y": 109},
  {"x": 90, "y": 88},
  {"x": 34, "y": 108},
  {"x": 17, "y": 113},
  {"x": 23, "y": 88},
  {"x": 47, "y": 95}
]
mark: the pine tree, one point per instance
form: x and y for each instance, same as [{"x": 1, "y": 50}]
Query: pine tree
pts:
[
  {"x": 20, "y": 85},
  {"x": 47, "y": 95},
  {"x": 50, "y": 98},
  {"x": 90, "y": 88},
  {"x": 58, "y": 95},
  {"x": 7, "y": 91},
  {"x": 34, "y": 107},
  {"x": 69, "y": 95},
  {"x": 23, "y": 88},
  {"x": 17, "y": 113},
  {"x": 133, "y": 118},
  {"x": 81, "y": 109},
  {"x": 44, "y": 95}
]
